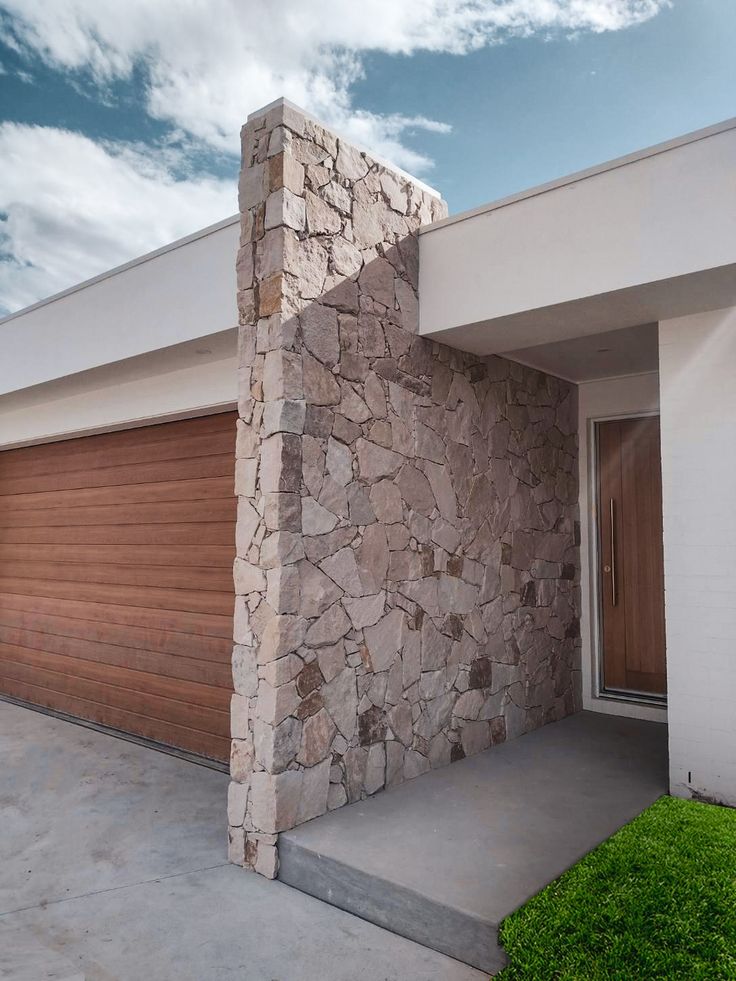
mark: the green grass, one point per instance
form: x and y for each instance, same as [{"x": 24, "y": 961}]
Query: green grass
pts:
[{"x": 657, "y": 900}]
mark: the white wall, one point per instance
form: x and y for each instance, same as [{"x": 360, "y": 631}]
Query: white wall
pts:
[
  {"x": 181, "y": 292},
  {"x": 169, "y": 384},
  {"x": 631, "y": 242},
  {"x": 697, "y": 357},
  {"x": 632, "y": 395}
]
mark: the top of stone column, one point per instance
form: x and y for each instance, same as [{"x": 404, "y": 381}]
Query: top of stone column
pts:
[{"x": 282, "y": 111}]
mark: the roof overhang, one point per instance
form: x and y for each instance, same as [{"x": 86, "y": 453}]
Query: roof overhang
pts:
[{"x": 641, "y": 239}]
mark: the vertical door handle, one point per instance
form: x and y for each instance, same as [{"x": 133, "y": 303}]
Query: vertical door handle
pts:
[{"x": 614, "y": 596}]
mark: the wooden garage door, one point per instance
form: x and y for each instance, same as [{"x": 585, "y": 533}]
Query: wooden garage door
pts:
[{"x": 116, "y": 587}]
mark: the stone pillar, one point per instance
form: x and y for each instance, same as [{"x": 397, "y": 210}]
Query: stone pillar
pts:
[{"x": 407, "y": 563}]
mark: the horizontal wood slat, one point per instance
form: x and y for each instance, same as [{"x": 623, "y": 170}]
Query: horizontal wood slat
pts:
[
  {"x": 165, "y": 665},
  {"x": 14, "y": 622},
  {"x": 137, "y": 436},
  {"x": 208, "y": 625},
  {"x": 186, "y": 533},
  {"x": 160, "y": 470},
  {"x": 203, "y": 556},
  {"x": 154, "y": 598},
  {"x": 116, "y": 589},
  {"x": 194, "y": 489},
  {"x": 174, "y": 512},
  {"x": 183, "y": 737},
  {"x": 78, "y": 460},
  {"x": 126, "y": 575},
  {"x": 187, "y": 691}
]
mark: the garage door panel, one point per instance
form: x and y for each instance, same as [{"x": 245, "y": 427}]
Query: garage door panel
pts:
[
  {"x": 116, "y": 583},
  {"x": 183, "y": 737},
  {"x": 191, "y": 533},
  {"x": 87, "y": 460},
  {"x": 13, "y": 623},
  {"x": 165, "y": 512},
  {"x": 139, "y": 701},
  {"x": 156, "y": 472},
  {"x": 195, "y": 489},
  {"x": 203, "y": 556},
  {"x": 179, "y": 668},
  {"x": 187, "y": 690},
  {"x": 194, "y": 624},
  {"x": 137, "y": 436},
  {"x": 184, "y": 600}
]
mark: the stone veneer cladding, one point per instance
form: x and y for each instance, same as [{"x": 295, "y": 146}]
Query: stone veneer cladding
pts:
[{"x": 407, "y": 536}]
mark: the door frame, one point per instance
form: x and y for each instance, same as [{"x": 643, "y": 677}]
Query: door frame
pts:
[{"x": 599, "y": 689}]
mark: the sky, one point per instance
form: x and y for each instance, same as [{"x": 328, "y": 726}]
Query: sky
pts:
[{"x": 119, "y": 121}]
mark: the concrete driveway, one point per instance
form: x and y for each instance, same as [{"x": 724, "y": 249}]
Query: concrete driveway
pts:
[{"x": 113, "y": 868}]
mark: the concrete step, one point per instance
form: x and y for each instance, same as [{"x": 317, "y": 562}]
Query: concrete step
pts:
[{"x": 444, "y": 858}]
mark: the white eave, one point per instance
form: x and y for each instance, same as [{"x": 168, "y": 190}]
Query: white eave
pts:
[
  {"x": 641, "y": 238},
  {"x": 176, "y": 294}
]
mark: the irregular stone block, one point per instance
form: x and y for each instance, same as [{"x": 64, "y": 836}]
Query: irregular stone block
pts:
[
  {"x": 282, "y": 376},
  {"x": 283, "y": 589},
  {"x": 386, "y": 638},
  {"x": 282, "y": 512},
  {"x": 283, "y": 207},
  {"x": 320, "y": 387},
  {"x": 329, "y": 628},
  {"x": 245, "y": 670},
  {"x": 281, "y": 548},
  {"x": 284, "y": 416},
  {"x": 342, "y": 568},
  {"x": 341, "y": 701},
  {"x": 283, "y": 634},
  {"x": 281, "y": 463},
  {"x": 318, "y": 732},
  {"x": 319, "y": 330},
  {"x": 276, "y": 746},
  {"x": 316, "y": 520},
  {"x": 366, "y": 611},
  {"x": 375, "y": 461},
  {"x": 317, "y": 592},
  {"x": 248, "y": 578}
]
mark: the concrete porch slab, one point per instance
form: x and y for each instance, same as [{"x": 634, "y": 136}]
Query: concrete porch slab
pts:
[
  {"x": 444, "y": 858},
  {"x": 113, "y": 867}
]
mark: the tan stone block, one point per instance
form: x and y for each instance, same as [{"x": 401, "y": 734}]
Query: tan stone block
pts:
[
  {"x": 239, "y": 716},
  {"x": 246, "y": 525},
  {"x": 280, "y": 467},
  {"x": 241, "y": 760},
  {"x": 245, "y": 477},
  {"x": 274, "y": 800},
  {"x": 281, "y": 548},
  {"x": 282, "y": 512},
  {"x": 282, "y": 635},
  {"x": 273, "y": 705},
  {"x": 285, "y": 171},
  {"x": 283, "y": 591},
  {"x": 283, "y": 207},
  {"x": 282, "y": 376},
  {"x": 245, "y": 672}
]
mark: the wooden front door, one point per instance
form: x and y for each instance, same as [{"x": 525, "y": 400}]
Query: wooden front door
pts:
[{"x": 631, "y": 569}]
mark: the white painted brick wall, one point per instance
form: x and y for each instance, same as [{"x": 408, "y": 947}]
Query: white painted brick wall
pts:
[{"x": 697, "y": 367}]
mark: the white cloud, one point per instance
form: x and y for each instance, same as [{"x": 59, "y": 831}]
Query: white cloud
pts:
[
  {"x": 210, "y": 62},
  {"x": 71, "y": 208}
]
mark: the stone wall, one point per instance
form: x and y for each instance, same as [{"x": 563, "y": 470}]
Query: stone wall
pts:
[{"x": 407, "y": 571}]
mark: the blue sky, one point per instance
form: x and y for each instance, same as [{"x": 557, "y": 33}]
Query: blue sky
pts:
[{"x": 118, "y": 122}]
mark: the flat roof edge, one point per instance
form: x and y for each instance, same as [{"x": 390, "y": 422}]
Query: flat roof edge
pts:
[
  {"x": 630, "y": 158},
  {"x": 130, "y": 264}
]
